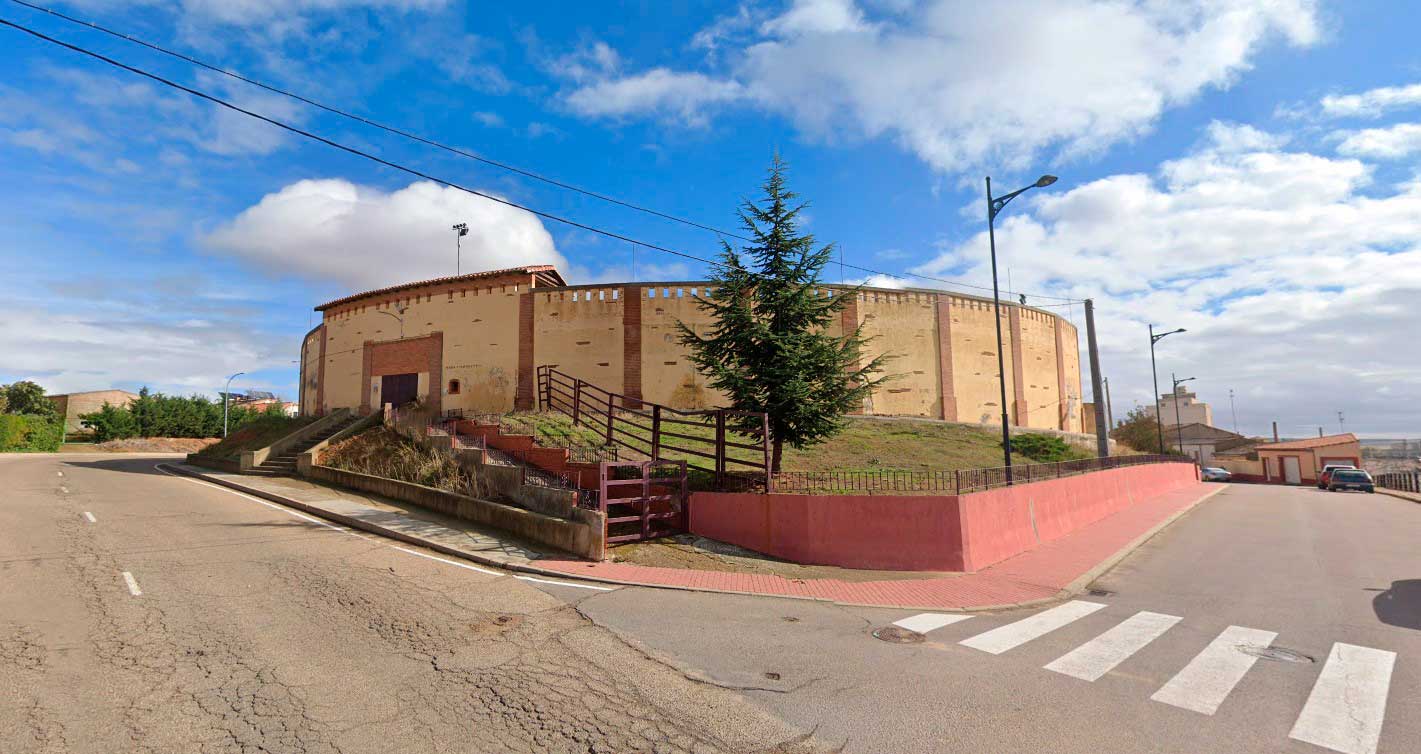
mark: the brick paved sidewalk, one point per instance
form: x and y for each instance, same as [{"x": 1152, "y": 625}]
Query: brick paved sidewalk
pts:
[{"x": 1066, "y": 564}]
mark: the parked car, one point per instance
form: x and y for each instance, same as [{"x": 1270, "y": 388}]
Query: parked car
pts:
[
  {"x": 1214, "y": 474},
  {"x": 1350, "y": 479},
  {"x": 1327, "y": 473}
]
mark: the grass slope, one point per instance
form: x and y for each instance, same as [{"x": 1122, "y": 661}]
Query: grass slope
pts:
[{"x": 254, "y": 435}]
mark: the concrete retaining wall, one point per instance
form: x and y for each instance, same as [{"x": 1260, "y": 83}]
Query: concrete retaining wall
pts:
[
  {"x": 927, "y": 533},
  {"x": 583, "y": 533}
]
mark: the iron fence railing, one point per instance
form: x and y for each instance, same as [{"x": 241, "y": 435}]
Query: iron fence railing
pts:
[
  {"x": 955, "y": 481},
  {"x": 1401, "y": 481}
]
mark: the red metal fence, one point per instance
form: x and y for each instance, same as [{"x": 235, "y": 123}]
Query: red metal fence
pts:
[{"x": 701, "y": 438}]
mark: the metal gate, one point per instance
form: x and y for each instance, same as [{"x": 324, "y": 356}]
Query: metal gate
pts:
[{"x": 643, "y": 499}]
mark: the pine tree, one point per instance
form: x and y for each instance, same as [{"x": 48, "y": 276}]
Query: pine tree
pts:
[{"x": 771, "y": 347}]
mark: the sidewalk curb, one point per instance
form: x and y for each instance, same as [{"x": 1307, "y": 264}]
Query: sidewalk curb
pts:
[
  {"x": 1407, "y": 496},
  {"x": 1075, "y": 587}
]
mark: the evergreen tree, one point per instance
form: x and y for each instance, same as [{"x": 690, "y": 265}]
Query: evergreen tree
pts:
[{"x": 771, "y": 348}]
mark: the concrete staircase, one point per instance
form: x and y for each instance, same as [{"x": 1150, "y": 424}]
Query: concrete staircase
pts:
[{"x": 285, "y": 464}]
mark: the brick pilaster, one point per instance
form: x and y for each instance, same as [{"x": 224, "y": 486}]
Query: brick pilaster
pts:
[
  {"x": 321, "y": 376},
  {"x": 1018, "y": 369},
  {"x": 1063, "y": 406},
  {"x": 633, "y": 297},
  {"x": 944, "y": 357},
  {"x": 849, "y": 321},
  {"x": 523, "y": 399}
]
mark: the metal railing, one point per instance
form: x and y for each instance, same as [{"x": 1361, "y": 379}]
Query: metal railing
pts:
[
  {"x": 1401, "y": 481},
  {"x": 956, "y": 481},
  {"x": 653, "y": 431}
]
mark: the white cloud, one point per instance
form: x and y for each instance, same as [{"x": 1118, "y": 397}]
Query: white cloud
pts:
[
  {"x": 683, "y": 96},
  {"x": 1373, "y": 102},
  {"x": 1390, "y": 143},
  {"x": 336, "y": 231},
  {"x": 960, "y": 83},
  {"x": 1295, "y": 275}
]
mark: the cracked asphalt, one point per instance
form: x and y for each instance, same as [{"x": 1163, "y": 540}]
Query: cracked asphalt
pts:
[{"x": 258, "y": 631}]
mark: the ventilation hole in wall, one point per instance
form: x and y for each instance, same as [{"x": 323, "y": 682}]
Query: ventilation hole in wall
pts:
[
  {"x": 584, "y": 342},
  {"x": 603, "y": 364},
  {"x": 669, "y": 363}
]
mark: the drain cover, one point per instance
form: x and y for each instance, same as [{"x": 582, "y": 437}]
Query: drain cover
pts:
[
  {"x": 1277, "y": 654},
  {"x": 1100, "y": 592},
  {"x": 897, "y": 635},
  {"x": 773, "y": 676}
]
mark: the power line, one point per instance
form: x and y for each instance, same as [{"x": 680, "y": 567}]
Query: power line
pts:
[
  {"x": 374, "y": 124},
  {"x": 429, "y": 177}
]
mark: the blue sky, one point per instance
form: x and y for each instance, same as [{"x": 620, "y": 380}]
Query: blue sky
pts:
[{"x": 1245, "y": 169}]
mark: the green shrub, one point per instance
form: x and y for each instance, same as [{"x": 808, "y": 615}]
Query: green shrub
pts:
[
  {"x": 1045, "y": 448},
  {"x": 159, "y": 415},
  {"x": 30, "y": 434}
]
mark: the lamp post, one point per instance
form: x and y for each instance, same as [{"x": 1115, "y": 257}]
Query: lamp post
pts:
[
  {"x": 1178, "y": 425},
  {"x": 995, "y": 206},
  {"x": 1154, "y": 373},
  {"x": 226, "y": 394},
  {"x": 460, "y": 230}
]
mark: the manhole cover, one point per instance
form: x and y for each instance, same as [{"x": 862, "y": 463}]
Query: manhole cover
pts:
[
  {"x": 1277, "y": 654},
  {"x": 773, "y": 676},
  {"x": 790, "y": 619},
  {"x": 897, "y": 635}
]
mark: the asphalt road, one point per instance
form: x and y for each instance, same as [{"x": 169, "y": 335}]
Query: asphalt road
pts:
[
  {"x": 1326, "y": 572},
  {"x": 141, "y": 612}
]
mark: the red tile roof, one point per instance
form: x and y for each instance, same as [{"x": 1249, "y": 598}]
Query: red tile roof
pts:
[
  {"x": 528, "y": 270},
  {"x": 1311, "y": 442}
]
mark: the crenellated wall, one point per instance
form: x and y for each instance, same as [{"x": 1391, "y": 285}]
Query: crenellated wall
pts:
[{"x": 623, "y": 337}]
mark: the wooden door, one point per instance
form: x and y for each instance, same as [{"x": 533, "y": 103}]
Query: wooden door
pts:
[{"x": 399, "y": 389}]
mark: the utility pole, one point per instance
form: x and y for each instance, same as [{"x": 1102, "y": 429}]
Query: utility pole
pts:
[
  {"x": 1154, "y": 373},
  {"x": 1341, "y": 423},
  {"x": 460, "y": 230},
  {"x": 1233, "y": 410},
  {"x": 227, "y": 393},
  {"x": 1178, "y": 423},
  {"x": 1102, "y": 443}
]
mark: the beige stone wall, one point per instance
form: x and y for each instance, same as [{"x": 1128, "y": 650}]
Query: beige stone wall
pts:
[
  {"x": 480, "y": 326},
  {"x": 904, "y": 324},
  {"x": 667, "y": 375},
  {"x": 73, "y": 405},
  {"x": 583, "y": 331},
  {"x": 580, "y": 333},
  {"x": 974, "y": 360}
]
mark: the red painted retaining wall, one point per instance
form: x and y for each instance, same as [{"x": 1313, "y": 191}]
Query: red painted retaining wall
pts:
[{"x": 927, "y": 532}]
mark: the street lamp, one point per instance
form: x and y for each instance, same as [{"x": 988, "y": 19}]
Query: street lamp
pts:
[
  {"x": 398, "y": 318},
  {"x": 1178, "y": 425},
  {"x": 1154, "y": 374},
  {"x": 227, "y": 393},
  {"x": 460, "y": 230},
  {"x": 994, "y": 206}
]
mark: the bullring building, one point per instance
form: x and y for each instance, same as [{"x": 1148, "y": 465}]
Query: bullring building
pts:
[{"x": 474, "y": 342}]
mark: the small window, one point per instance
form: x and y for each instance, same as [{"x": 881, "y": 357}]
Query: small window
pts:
[{"x": 453, "y": 387}]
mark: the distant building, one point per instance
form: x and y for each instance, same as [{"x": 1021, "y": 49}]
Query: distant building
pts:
[
  {"x": 1301, "y": 461},
  {"x": 1202, "y": 441},
  {"x": 72, "y": 405},
  {"x": 1189, "y": 409}
]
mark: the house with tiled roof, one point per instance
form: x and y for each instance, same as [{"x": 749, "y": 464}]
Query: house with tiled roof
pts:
[{"x": 1301, "y": 461}]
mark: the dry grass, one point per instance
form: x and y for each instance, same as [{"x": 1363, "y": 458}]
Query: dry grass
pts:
[
  {"x": 864, "y": 445},
  {"x": 385, "y": 453},
  {"x": 254, "y": 435}
]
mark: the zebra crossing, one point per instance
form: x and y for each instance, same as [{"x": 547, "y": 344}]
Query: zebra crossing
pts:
[{"x": 1344, "y": 711}]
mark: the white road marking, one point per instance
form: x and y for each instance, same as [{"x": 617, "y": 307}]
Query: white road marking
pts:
[
  {"x": 1100, "y": 655},
  {"x": 132, "y": 584},
  {"x": 1345, "y": 709},
  {"x": 59, "y": 473},
  {"x": 566, "y": 583},
  {"x": 1003, "y": 638},
  {"x": 1206, "y": 681},
  {"x": 925, "y": 622},
  {"x": 450, "y": 562},
  {"x": 64, "y": 489},
  {"x": 91, "y": 518}
]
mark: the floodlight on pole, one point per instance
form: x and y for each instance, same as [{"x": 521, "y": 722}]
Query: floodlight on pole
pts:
[
  {"x": 398, "y": 318},
  {"x": 995, "y": 206},
  {"x": 460, "y": 230}
]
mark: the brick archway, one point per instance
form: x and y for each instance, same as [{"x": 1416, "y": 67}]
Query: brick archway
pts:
[{"x": 407, "y": 355}]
